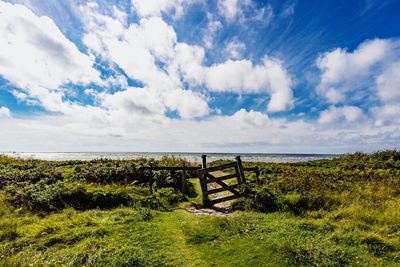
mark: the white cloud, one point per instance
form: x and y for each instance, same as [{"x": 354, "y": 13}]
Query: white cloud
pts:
[
  {"x": 387, "y": 114},
  {"x": 147, "y": 102},
  {"x": 214, "y": 25},
  {"x": 338, "y": 114},
  {"x": 344, "y": 73},
  {"x": 135, "y": 48},
  {"x": 244, "y": 11},
  {"x": 242, "y": 76},
  {"x": 135, "y": 119},
  {"x": 239, "y": 76},
  {"x": 235, "y": 49},
  {"x": 233, "y": 9},
  {"x": 133, "y": 102},
  {"x": 5, "y": 112},
  {"x": 147, "y": 8},
  {"x": 244, "y": 131},
  {"x": 388, "y": 83},
  {"x": 370, "y": 72},
  {"x": 138, "y": 49},
  {"x": 36, "y": 56},
  {"x": 189, "y": 61},
  {"x": 188, "y": 103},
  {"x": 251, "y": 118},
  {"x": 229, "y": 8}
]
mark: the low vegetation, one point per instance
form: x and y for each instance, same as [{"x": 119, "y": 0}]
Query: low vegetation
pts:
[{"x": 343, "y": 211}]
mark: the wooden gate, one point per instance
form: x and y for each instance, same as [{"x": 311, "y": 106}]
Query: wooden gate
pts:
[{"x": 217, "y": 176}]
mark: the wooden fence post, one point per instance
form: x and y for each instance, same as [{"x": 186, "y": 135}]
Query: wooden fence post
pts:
[
  {"x": 184, "y": 185},
  {"x": 241, "y": 173},
  {"x": 204, "y": 161},
  {"x": 203, "y": 182},
  {"x": 258, "y": 175},
  {"x": 151, "y": 180}
]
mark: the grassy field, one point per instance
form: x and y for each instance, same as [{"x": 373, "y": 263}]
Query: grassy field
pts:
[{"x": 344, "y": 211}]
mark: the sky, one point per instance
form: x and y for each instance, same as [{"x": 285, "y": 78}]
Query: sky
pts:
[{"x": 200, "y": 76}]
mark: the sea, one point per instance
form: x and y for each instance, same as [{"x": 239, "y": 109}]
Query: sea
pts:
[{"x": 192, "y": 157}]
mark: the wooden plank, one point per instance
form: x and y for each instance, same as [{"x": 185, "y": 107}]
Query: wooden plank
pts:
[
  {"x": 221, "y": 189},
  {"x": 219, "y": 200},
  {"x": 212, "y": 179},
  {"x": 218, "y": 168}
]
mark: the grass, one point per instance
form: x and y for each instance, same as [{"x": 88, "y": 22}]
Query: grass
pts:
[{"x": 341, "y": 212}]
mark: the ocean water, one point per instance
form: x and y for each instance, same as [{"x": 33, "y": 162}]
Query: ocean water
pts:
[{"x": 192, "y": 157}]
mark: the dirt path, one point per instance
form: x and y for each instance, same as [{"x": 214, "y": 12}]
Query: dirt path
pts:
[{"x": 219, "y": 209}]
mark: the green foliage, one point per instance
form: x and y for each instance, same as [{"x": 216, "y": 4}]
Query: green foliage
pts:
[
  {"x": 164, "y": 199},
  {"x": 108, "y": 173},
  {"x": 323, "y": 184},
  {"x": 52, "y": 197},
  {"x": 339, "y": 212}
]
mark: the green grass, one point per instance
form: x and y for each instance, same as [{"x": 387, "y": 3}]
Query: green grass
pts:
[
  {"x": 128, "y": 237},
  {"x": 341, "y": 212}
]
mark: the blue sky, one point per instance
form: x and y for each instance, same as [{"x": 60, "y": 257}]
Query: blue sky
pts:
[{"x": 226, "y": 75}]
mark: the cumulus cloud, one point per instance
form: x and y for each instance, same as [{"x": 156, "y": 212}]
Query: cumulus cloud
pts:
[
  {"x": 244, "y": 131},
  {"x": 335, "y": 114},
  {"x": 386, "y": 114},
  {"x": 238, "y": 76},
  {"x": 138, "y": 49},
  {"x": 251, "y": 118},
  {"x": 344, "y": 73},
  {"x": 37, "y": 57},
  {"x": 388, "y": 83},
  {"x": 188, "y": 103},
  {"x": 370, "y": 72},
  {"x": 133, "y": 101},
  {"x": 169, "y": 75},
  {"x": 242, "y": 76}
]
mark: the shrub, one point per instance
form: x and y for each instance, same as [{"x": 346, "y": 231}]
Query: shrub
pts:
[
  {"x": 106, "y": 174},
  {"x": 164, "y": 199},
  {"x": 52, "y": 197}
]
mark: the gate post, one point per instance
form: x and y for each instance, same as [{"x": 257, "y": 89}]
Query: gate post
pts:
[
  {"x": 183, "y": 180},
  {"x": 151, "y": 179},
  {"x": 203, "y": 182},
  {"x": 204, "y": 161},
  {"x": 241, "y": 173}
]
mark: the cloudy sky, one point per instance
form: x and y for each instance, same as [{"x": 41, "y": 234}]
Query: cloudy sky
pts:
[{"x": 191, "y": 75}]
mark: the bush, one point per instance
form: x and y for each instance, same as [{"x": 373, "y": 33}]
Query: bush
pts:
[
  {"x": 164, "y": 199},
  {"x": 106, "y": 174},
  {"x": 262, "y": 198},
  {"x": 52, "y": 197},
  {"x": 43, "y": 172}
]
